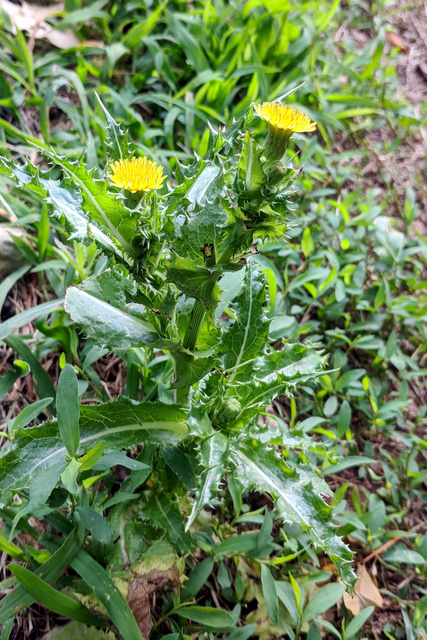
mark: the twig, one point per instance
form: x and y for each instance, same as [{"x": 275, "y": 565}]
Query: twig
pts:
[{"x": 377, "y": 552}]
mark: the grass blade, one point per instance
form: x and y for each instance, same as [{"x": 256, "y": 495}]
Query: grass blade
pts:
[
  {"x": 23, "y": 318},
  {"x": 97, "y": 578},
  {"x": 53, "y": 599},
  {"x": 50, "y": 571}
]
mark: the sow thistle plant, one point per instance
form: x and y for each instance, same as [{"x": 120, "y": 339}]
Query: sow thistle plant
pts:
[{"x": 178, "y": 251}]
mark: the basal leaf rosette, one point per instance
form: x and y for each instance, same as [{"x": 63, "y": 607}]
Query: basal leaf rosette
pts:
[
  {"x": 283, "y": 120},
  {"x": 136, "y": 174}
]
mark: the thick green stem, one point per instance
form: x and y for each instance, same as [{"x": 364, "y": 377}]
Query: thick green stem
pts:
[
  {"x": 196, "y": 319},
  {"x": 197, "y": 316}
]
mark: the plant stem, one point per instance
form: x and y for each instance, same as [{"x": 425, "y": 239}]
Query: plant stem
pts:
[
  {"x": 197, "y": 316},
  {"x": 196, "y": 319}
]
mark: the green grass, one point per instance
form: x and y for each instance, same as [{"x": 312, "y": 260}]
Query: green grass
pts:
[{"x": 350, "y": 276}]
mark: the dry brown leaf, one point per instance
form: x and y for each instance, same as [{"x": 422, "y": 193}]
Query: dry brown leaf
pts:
[
  {"x": 139, "y": 593},
  {"x": 366, "y": 593},
  {"x": 329, "y": 566},
  {"x": 351, "y": 603},
  {"x": 396, "y": 41},
  {"x": 31, "y": 18}
]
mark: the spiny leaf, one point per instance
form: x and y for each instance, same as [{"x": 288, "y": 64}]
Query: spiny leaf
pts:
[
  {"x": 213, "y": 457},
  {"x": 188, "y": 369},
  {"x": 116, "y": 138},
  {"x": 195, "y": 282},
  {"x": 248, "y": 335},
  {"x": 202, "y": 234},
  {"x": 105, "y": 209},
  {"x": 296, "y": 501},
  {"x": 161, "y": 512},
  {"x": 276, "y": 374},
  {"x": 251, "y": 172}
]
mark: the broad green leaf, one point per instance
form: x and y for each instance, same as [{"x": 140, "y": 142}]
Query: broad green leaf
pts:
[
  {"x": 99, "y": 305},
  {"x": 8, "y": 380},
  {"x": 66, "y": 203},
  {"x": 344, "y": 418},
  {"x": 213, "y": 460},
  {"x": 307, "y": 242},
  {"x": 11, "y": 549},
  {"x": 201, "y": 237},
  {"x": 120, "y": 423},
  {"x": 68, "y": 409},
  {"x": 323, "y": 599},
  {"x": 40, "y": 490},
  {"x": 205, "y": 188},
  {"x": 52, "y": 599},
  {"x": 188, "y": 368},
  {"x": 240, "y": 544},
  {"x": 6, "y": 628},
  {"x": 296, "y": 501},
  {"x": 243, "y": 633},
  {"x": 97, "y": 525},
  {"x": 276, "y": 373},
  {"x": 346, "y": 463},
  {"x": 400, "y": 554},
  {"x": 287, "y": 596},
  {"x": 208, "y": 616},
  {"x": 49, "y": 571},
  {"x": 248, "y": 335},
  {"x": 119, "y": 497},
  {"x": 292, "y": 363},
  {"x": 87, "y": 461}
]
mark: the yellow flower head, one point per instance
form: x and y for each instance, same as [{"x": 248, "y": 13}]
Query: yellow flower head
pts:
[
  {"x": 136, "y": 174},
  {"x": 284, "y": 118}
]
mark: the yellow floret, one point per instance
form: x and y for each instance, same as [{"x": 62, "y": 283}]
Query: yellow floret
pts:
[
  {"x": 285, "y": 118},
  {"x": 136, "y": 174}
]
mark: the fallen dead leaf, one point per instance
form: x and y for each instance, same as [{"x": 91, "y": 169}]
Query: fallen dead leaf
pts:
[
  {"x": 31, "y": 18},
  {"x": 366, "y": 593},
  {"x": 140, "y": 590},
  {"x": 396, "y": 41}
]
